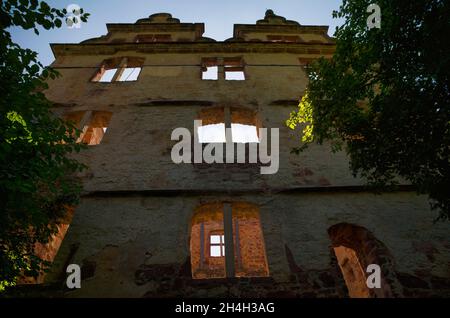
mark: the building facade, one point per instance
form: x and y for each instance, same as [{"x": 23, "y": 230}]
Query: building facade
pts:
[{"x": 147, "y": 226}]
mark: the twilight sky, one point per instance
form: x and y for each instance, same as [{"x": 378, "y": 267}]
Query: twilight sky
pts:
[{"x": 218, "y": 16}]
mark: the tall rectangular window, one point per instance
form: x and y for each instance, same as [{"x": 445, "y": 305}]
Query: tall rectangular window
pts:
[
  {"x": 226, "y": 240},
  {"x": 218, "y": 68}
]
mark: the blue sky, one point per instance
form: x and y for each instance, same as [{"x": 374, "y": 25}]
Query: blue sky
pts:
[{"x": 218, "y": 16}]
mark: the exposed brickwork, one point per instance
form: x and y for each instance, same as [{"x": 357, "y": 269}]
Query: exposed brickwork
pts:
[{"x": 250, "y": 259}]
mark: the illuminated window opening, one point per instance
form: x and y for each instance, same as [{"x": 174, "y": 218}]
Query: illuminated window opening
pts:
[
  {"x": 217, "y": 245},
  {"x": 234, "y": 69},
  {"x": 228, "y": 68}
]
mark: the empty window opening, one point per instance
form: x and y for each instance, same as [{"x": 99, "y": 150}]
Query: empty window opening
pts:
[
  {"x": 210, "y": 73},
  {"x": 209, "y": 234},
  {"x": 234, "y": 69},
  {"x": 217, "y": 245},
  {"x": 242, "y": 122},
  {"x": 129, "y": 74},
  {"x": 119, "y": 69},
  {"x": 229, "y": 68}
]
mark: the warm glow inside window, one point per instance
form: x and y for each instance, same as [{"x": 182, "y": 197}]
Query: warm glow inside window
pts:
[
  {"x": 217, "y": 245},
  {"x": 211, "y": 73},
  {"x": 93, "y": 125},
  {"x": 244, "y": 133},
  {"x": 207, "y": 242},
  {"x": 129, "y": 74},
  {"x": 211, "y": 133}
]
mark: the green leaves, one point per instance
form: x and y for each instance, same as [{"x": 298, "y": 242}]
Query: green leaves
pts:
[
  {"x": 58, "y": 23},
  {"x": 304, "y": 115},
  {"x": 385, "y": 96},
  {"x": 37, "y": 182}
]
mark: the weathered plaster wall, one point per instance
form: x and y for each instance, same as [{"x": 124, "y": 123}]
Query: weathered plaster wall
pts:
[
  {"x": 122, "y": 234},
  {"x": 139, "y": 132}
]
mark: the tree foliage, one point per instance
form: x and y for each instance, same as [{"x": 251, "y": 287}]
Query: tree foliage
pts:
[
  {"x": 385, "y": 97},
  {"x": 36, "y": 183}
]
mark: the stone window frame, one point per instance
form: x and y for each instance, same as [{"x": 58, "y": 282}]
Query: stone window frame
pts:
[
  {"x": 85, "y": 120},
  {"x": 230, "y": 115},
  {"x": 120, "y": 63},
  {"x": 229, "y": 212},
  {"x": 224, "y": 65},
  {"x": 368, "y": 250}
]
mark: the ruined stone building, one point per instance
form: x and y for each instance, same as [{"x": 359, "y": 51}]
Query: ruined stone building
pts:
[{"x": 149, "y": 227}]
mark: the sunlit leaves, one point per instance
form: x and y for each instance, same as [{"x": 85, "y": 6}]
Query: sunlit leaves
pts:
[
  {"x": 304, "y": 115},
  {"x": 17, "y": 124},
  {"x": 385, "y": 96}
]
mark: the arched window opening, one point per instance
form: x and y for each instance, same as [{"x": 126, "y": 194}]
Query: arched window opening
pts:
[
  {"x": 356, "y": 248},
  {"x": 217, "y": 225}
]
